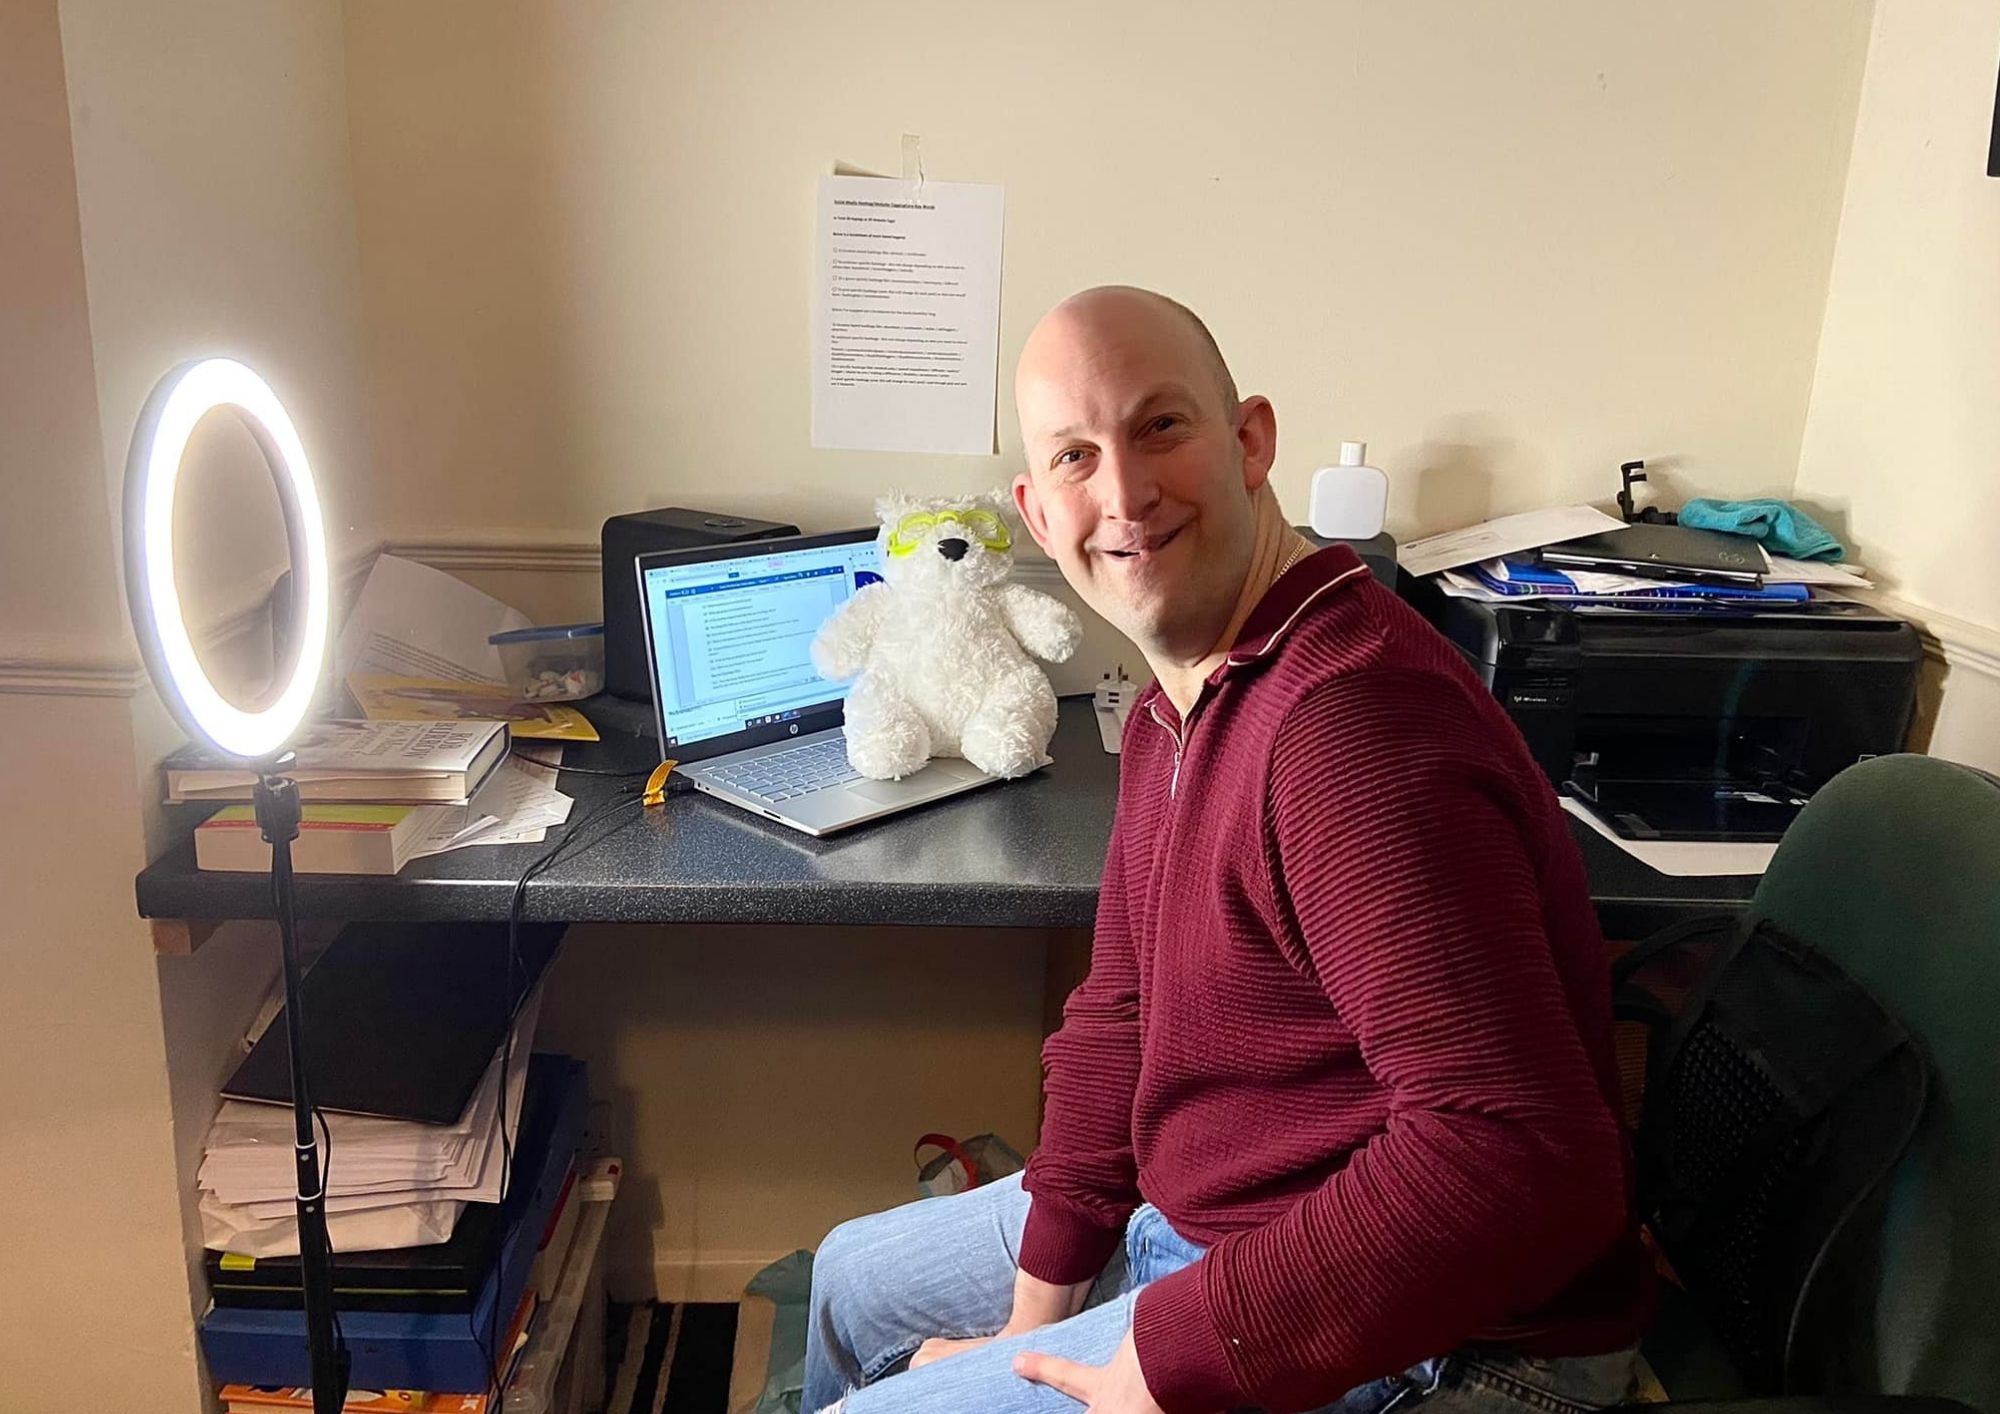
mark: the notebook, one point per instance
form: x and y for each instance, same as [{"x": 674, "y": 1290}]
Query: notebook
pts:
[
  {"x": 402, "y": 1019},
  {"x": 1665, "y": 552}
]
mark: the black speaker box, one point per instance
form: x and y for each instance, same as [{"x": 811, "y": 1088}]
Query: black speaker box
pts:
[{"x": 626, "y": 672}]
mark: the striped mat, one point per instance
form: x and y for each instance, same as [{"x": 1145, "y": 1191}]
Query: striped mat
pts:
[{"x": 668, "y": 1359}]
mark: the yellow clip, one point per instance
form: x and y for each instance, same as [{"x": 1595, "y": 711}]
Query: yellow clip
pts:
[
  {"x": 656, "y": 784},
  {"x": 237, "y": 1262}
]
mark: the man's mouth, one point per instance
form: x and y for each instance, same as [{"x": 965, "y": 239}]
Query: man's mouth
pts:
[{"x": 1131, "y": 550}]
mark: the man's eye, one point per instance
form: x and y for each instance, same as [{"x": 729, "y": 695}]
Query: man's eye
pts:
[
  {"x": 1070, "y": 457},
  {"x": 1163, "y": 423}
]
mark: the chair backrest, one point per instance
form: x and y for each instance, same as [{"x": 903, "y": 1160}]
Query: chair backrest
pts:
[
  {"x": 1779, "y": 1096},
  {"x": 1893, "y": 871}
]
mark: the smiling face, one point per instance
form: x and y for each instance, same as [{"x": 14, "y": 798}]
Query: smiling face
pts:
[{"x": 1143, "y": 468}]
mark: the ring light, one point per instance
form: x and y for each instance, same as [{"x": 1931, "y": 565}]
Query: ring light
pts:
[{"x": 180, "y": 401}]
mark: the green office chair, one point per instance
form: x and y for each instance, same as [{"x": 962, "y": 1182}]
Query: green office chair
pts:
[{"x": 1892, "y": 873}]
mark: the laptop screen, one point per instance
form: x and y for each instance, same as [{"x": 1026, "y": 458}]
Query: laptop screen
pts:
[{"x": 732, "y": 637}]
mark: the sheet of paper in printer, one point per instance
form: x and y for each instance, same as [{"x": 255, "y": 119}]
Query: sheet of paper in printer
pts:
[
  {"x": 1683, "y": 859},
  {"x": 1509, "y": 535}
]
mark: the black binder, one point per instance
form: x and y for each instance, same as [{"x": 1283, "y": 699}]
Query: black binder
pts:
[{"x": 402, "y": 1019}]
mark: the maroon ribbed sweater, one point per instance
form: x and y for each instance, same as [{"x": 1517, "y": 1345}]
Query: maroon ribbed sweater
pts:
[{"x": 1347, "y": 1024}]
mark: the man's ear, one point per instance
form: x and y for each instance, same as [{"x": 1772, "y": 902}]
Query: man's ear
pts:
[
  {"x": 1027, "y": 500},
  {"x": 1257, "y": 436}
]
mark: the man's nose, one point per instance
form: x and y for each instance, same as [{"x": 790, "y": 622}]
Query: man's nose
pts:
[
  {"x": 953, "y": 548},
  {"x": 1126, "y": 488}
]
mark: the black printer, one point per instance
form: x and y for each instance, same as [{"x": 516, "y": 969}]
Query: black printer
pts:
[{"x": 1705, "y": 722}]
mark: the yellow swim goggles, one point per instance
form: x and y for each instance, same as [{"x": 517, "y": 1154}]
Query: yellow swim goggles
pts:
[{"x": 983, "y": 526}]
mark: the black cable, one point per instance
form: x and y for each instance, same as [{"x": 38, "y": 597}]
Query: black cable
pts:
[
  {"x": 517, "y": 906},
  {"x": 326, "y": 1200}
]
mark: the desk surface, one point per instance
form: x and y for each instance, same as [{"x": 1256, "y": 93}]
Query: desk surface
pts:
[{"x": 1026, "y": 853}]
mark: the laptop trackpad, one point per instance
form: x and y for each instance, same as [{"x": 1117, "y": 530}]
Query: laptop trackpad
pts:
[{"x": 943, "y": 771}]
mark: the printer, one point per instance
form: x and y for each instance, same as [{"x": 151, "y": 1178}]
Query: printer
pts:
[{"x": 1705, "y": 722}]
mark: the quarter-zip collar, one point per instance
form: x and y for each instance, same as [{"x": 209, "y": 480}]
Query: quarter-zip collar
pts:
[
  {"x": 1298, "y": 589},
  {"x": 1296, "y": 592}
]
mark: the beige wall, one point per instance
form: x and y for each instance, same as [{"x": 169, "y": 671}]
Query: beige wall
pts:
[
  {"x": 1902, "y": 444},
  {"x": 1510, "y": 245},
  {"x": 766, "y": 1083},
  {"x": 56, "y": 519},
  {"x": 173, "y": 182},
  {"x": 87, "y": 1183},
  {"x": 517, "y": 266},
  {"x": 218, "y": 218}
]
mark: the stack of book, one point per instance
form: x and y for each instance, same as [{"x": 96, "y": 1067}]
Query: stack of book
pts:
[
  {"x": 379, "y": 794},
  {"x": 435, "y": 1259}
]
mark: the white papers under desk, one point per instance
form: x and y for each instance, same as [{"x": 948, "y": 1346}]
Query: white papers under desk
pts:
[
  {"x": 1685, "y": 859},
  {"x": 389, "y": 1183}
]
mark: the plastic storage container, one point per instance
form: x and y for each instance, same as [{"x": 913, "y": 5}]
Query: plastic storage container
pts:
[
  {"x": 556, "y": 664},
  {"x": 561, "y": 1370}
]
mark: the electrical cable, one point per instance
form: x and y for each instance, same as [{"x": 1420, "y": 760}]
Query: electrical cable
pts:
[{"x": 541, "y": 864}]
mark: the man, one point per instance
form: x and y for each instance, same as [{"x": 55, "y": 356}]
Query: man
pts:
[{"x": 1340, "y": 1081}]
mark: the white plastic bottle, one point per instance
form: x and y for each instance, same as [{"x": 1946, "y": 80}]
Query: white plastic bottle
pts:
[{"x": 1349, "y": 501}]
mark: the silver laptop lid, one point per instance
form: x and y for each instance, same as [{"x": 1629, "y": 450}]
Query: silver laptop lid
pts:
[{"x": 729, "y": 633}]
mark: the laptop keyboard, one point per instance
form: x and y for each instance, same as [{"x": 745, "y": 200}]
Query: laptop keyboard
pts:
[{"x": 784, "y": 774}]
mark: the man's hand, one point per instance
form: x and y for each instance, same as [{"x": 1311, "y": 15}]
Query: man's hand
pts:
[
  {"x": 938, "y": 1348},
  {"x": 1037, "y": 1303},
  {"x": 1117, "y": 1388}
]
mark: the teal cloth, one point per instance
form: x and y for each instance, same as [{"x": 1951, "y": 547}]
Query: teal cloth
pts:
[{"x": 1781, "y": 526}]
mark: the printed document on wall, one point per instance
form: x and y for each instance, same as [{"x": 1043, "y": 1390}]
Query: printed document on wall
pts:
[{"x": 906, "y": 335}]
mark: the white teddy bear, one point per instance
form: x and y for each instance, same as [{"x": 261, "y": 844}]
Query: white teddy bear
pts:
[{"x": 939, "y": 650}]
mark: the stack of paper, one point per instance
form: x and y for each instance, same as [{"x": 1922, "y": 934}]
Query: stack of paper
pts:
[
  {"x": 1509, "y": 578},
  {"x": 517, "y": 808},
  {"x": 1467, "y": 562},
  {"x": 415, "y": 649},
  {"x": 389, "y": 1183}
]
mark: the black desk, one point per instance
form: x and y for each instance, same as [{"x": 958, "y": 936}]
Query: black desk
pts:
[{"x": 1025, "y": 854}]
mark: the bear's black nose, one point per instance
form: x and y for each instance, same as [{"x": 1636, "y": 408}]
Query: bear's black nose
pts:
[{"x": 954, "y": 548}]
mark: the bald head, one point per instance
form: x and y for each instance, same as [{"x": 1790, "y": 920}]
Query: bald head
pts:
[
  {"x": 1147, "y": 476},
  {"x": 1112, "y": 314}
]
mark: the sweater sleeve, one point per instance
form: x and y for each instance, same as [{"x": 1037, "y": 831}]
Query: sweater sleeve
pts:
[
  {"x": 1402, "y": 862},
  {"x": 1083, "y": 1178}
]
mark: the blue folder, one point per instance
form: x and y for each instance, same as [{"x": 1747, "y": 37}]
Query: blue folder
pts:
[{"x": 1524, "y": 577}]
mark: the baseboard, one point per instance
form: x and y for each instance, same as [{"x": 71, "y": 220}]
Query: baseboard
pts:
[
  {"x": 1954, "y": 642},
  {"x": 1958, "y": 692},
  {"x": 688, "y": 1276}
]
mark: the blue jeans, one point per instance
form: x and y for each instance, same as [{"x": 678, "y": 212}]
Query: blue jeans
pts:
[{"x": 885, "y": 1284}]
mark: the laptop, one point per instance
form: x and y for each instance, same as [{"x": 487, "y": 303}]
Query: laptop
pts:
[{"x": 736, "y": 699}]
